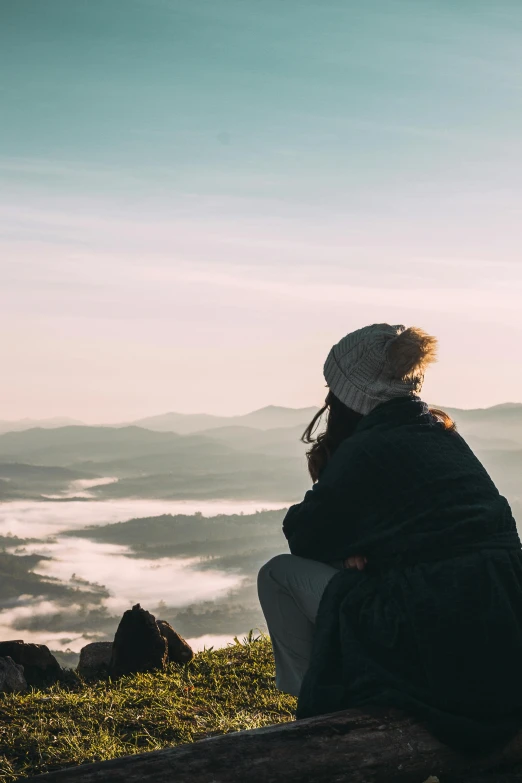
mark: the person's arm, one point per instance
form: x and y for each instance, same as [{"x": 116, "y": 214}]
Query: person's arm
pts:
[
  {"x": 324, "y": 525},
  {"x": 315, "y": 528}
]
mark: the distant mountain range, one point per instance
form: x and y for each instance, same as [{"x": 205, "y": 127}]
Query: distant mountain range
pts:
[
  {"x": 267, "y": 418},
  {"x": 502, "y": 423},
  {"x": 257, "y": 455},
  {"x": 28, "y": 424},
  {"x": 270, "y": 417},
  {"x": 268, "y": 465}
]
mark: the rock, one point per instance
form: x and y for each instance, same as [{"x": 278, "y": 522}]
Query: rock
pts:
[
  {"x": 138, "y": 644},
  {"x": 95, "y": 659},
  {"x": 12, "y": 678},
  {"x": 40, "y": 666},
  {"x": 178, "y": 649}
]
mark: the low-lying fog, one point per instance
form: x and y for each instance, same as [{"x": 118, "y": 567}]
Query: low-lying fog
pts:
[{"x": 172, "y": 582}]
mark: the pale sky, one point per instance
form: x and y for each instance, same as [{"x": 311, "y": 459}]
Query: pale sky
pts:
[{"x": 199, "y": 198}]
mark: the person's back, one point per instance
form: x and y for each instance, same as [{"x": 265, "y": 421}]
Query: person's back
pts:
[
  {"x": 433, "y": 622},
  {"x": 404, "y": 487}
]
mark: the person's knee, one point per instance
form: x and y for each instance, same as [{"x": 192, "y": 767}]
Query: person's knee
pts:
[{"x": 274, "y": 570}]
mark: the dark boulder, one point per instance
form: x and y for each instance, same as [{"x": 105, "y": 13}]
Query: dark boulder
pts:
[
  {"x": 12, "y": 678},
  {"x": 40, "y": 666},
  {"x": 178, "y": 649},
  {"x": 95, "y": 659},
  {"x": 138, "y": 644}
]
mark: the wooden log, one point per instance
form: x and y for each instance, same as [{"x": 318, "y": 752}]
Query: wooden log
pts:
[{"x": 345, "y": 747}]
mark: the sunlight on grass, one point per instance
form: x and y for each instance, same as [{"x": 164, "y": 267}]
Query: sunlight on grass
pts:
[{"x": 217, "y": 692}]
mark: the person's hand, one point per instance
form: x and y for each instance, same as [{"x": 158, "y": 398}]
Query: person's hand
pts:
[{"x": 358, "y": 562}]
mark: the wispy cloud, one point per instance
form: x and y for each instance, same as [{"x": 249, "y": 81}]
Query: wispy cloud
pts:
[{"x": 190, "y": 179}]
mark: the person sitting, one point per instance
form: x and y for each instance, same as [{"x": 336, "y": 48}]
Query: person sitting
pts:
[{"x": 403, "y": 586}]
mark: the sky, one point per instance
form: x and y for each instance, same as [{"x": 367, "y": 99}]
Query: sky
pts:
[{"x": 199, "y": 198}]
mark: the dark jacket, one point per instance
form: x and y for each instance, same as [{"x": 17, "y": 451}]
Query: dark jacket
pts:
[{"x": 433, "y": 625}]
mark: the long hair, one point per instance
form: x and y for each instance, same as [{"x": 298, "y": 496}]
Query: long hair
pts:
[
  {"x": 341, "y": 422},
  {"x": 444, "y": 418}
]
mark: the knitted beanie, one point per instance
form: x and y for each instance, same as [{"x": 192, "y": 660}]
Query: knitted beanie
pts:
[{"x": 377, "y": 363}]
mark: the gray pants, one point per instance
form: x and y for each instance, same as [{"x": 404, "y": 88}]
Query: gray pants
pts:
[{"x": 290, "y": 589}]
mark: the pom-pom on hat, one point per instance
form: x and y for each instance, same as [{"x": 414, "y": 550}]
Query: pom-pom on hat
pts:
[{"x": 377, "y": 363}]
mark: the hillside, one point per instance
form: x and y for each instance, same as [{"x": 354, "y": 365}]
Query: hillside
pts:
[
  {"x": 66, "y": 445},
  {"x": 152, "y": 464},
  {"x": 233, "y": 461},
  {"x": 22, "y": 481},
  {"x": 500, "y": 421},
  {"x": 219, "y": 691},
  {"x": 255, "y": 456}
]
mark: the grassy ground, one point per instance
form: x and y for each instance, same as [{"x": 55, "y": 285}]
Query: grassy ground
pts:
[{"x": 217, "y": 692}]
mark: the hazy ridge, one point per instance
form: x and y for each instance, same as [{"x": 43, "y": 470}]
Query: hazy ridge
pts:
[{"x": 258, "y": 455}]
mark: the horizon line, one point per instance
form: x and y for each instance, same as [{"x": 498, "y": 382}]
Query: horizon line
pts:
[{"x": 133, "y": 422}]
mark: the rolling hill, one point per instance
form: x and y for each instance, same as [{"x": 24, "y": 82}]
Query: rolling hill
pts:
[
  {"x": 240, "y": 458},
  {"x": 66, "y": 445},
  {"x": 499, "y": 422}
]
